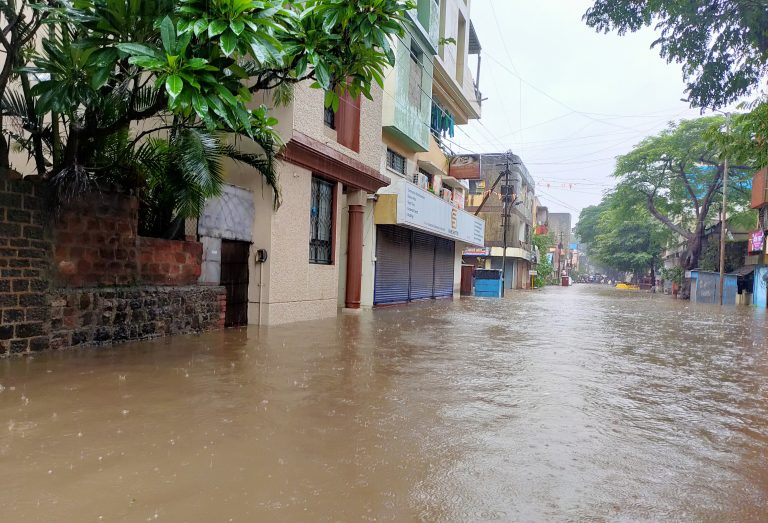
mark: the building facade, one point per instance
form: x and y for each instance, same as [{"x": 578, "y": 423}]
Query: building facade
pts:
[
  {"x": 487, "y": 189},
  {"x": 368, "y": 215},
  {"x": 420, "y": 225}
]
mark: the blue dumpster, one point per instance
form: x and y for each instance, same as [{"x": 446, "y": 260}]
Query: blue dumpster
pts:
[{"x": 488, "y": 283}]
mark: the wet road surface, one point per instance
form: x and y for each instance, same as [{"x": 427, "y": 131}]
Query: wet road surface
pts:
[{"x": 575, "y": 404}]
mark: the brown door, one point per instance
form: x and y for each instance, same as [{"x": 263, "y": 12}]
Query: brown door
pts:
[{"x": 234, "y": 277}]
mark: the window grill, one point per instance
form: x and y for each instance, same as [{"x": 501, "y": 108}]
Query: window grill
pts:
[
  {"x": 321, "y": 222},
  {"x": 395, "y": 161}
]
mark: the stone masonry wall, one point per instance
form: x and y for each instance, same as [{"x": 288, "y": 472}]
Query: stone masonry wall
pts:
[
  {"x": 58, "y": 277},
  {"x": 88, "y": 317}
]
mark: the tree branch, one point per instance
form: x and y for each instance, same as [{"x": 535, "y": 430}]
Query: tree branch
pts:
[
  {"x": 665, "y": 220},
  {"x": 689, "y": 188}
]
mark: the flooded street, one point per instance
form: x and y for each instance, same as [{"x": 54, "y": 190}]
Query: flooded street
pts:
[{"x": 569, "y": 404}]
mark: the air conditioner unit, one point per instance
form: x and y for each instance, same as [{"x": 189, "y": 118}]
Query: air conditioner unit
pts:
[
  {"x": 421, "y": 180},
  {"x": 447, "y": 194}
]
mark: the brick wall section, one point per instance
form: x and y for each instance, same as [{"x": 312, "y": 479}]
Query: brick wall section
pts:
[
  {"x": 54, "y": 297},
  {"x": 90, "y": 317},
  {"x": 96, "y": 241},
  {"x": 168, "y": 262},
  {"x": 25, "y": 255}
]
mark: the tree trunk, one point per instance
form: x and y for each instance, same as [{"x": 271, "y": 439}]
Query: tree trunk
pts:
[{"x": 691, "y": 260}]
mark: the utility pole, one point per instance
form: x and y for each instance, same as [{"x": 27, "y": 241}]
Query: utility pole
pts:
[
  {"x": 723, "y": 217},
  {"x": 560, "y": 259},
  {"x": 504, "y": 222}
]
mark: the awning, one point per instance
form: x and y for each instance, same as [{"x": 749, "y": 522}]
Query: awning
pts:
[
  {"x": 743, "y": 272},
  {"x": 474, "y": 42},
  {"x": 408, "y": 205}
]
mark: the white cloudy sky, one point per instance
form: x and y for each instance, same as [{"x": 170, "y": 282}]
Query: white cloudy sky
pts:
[{"x": 567, "y": 99}]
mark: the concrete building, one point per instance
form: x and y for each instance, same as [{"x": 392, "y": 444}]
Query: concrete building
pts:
[
  {"x": 560, "y": 228},
  {"x": 482, "y": 171},
  {"x": 304, "y": 260},
  {"x": 421, "y": 227},
  {"x": 345, "y": 237}
]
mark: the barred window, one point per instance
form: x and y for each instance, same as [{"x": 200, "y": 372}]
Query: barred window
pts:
[
  {"x": 395, "y": 161},
  {"x": 321, "y": 222}
]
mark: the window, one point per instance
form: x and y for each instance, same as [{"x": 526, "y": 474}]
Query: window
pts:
[
  {"x": 476, "y": 186},
  {"x": 395, "y": 161},
  {"x": 329, "y": 117},
  {"x": 414, "y": 79},
  {"x": 321, "y": 222}
]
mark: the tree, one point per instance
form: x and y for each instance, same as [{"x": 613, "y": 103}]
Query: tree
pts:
[
  {"x": 677, "y": 176},
  {"x": 19, "y": 24},
  {"x": 587, "y": 228},
  {"x": 169, "y": 84},
  {"x": 628, "y": 238},
  {"x": 721, "y": 44},
  {"x": 544, "y": 269}
]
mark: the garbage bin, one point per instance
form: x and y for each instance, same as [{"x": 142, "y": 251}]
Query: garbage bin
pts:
[{"x": 488, "y": 283}]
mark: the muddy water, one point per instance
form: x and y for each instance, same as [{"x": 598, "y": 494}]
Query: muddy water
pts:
[{"x": 579, "y": 404}]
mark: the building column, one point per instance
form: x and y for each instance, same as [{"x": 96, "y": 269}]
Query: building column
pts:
[{"x": 356, "y": 203}]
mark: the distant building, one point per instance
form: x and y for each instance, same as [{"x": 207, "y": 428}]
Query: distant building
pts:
[
  {"x": 560, "y": 228},
  {"x": 482, "y": 171}
]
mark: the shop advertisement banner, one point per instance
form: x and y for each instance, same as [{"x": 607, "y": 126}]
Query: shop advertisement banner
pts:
[
  {"x": 423, "y": 210},
  {"x": 476, "y": 251},
  {"x": 756, "y": 241}
]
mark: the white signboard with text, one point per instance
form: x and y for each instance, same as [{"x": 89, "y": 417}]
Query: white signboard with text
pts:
[{"x": 423, "y": 210}]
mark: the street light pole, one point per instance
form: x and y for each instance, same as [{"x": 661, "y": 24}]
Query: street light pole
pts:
[{"x": 723, "y": 216}]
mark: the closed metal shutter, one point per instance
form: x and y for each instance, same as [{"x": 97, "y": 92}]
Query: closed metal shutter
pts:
[
  {"x": 422, "y": 266},
  {"x": 444, "y": 266},
  {"x": 393, "y": 250}
]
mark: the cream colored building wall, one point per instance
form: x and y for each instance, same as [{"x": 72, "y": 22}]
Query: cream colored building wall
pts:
[
  {"x": 457, "y": 269},
  {"x": 369, "y": 256},
  {"x": 343, "y": 251},
  {"x": 289, "y": 287},
  {"x": 308, "y": 118},
  {"x": 448, "y": 61},
  {"x": 435, "y": 155}
]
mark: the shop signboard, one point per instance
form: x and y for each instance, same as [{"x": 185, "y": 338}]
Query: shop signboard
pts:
[
  {"x": 423, "y": 210},
  {"x": 756, "y": 241},
  {"x": 476, "y": 251}
]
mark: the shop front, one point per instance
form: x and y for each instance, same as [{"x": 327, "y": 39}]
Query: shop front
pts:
[{"x": 419, "y": 241}]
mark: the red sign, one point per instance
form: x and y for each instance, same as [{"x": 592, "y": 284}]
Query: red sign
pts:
[{"x": 756, "y": 241}]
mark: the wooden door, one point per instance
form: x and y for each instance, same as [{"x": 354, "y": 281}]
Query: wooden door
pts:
[{"x": 234, "y": 277}]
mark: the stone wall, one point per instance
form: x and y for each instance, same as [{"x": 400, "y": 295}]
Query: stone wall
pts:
[
  {"x": 89, "y": 317},
  {"x": 76, "y": 280}
]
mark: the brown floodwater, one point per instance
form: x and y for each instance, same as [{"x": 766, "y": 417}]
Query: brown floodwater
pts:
[{"x": 569, "y": 404}]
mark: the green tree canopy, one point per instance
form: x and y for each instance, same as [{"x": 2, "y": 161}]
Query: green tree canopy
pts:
[
  {"x": 628, "y": 238},
  {"x": 677, "y": 176},
  {"x": 112, "y": 79},
  {"x": 721, "y": 44}
]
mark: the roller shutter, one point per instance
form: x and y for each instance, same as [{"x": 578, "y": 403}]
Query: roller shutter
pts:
[
  {"x": 422, "y": 266},
  {"x": 444, "y": 266},
  {"x": 393, "y": 250},
  {"x": 411, "y": 265}
]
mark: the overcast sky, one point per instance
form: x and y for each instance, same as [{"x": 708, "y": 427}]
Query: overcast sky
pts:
[{"x": 567, "y": 99}]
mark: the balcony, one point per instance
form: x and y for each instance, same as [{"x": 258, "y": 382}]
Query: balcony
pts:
[
  {"x": 408, "y": 105},
  {"x": 426, "y": 18}
]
